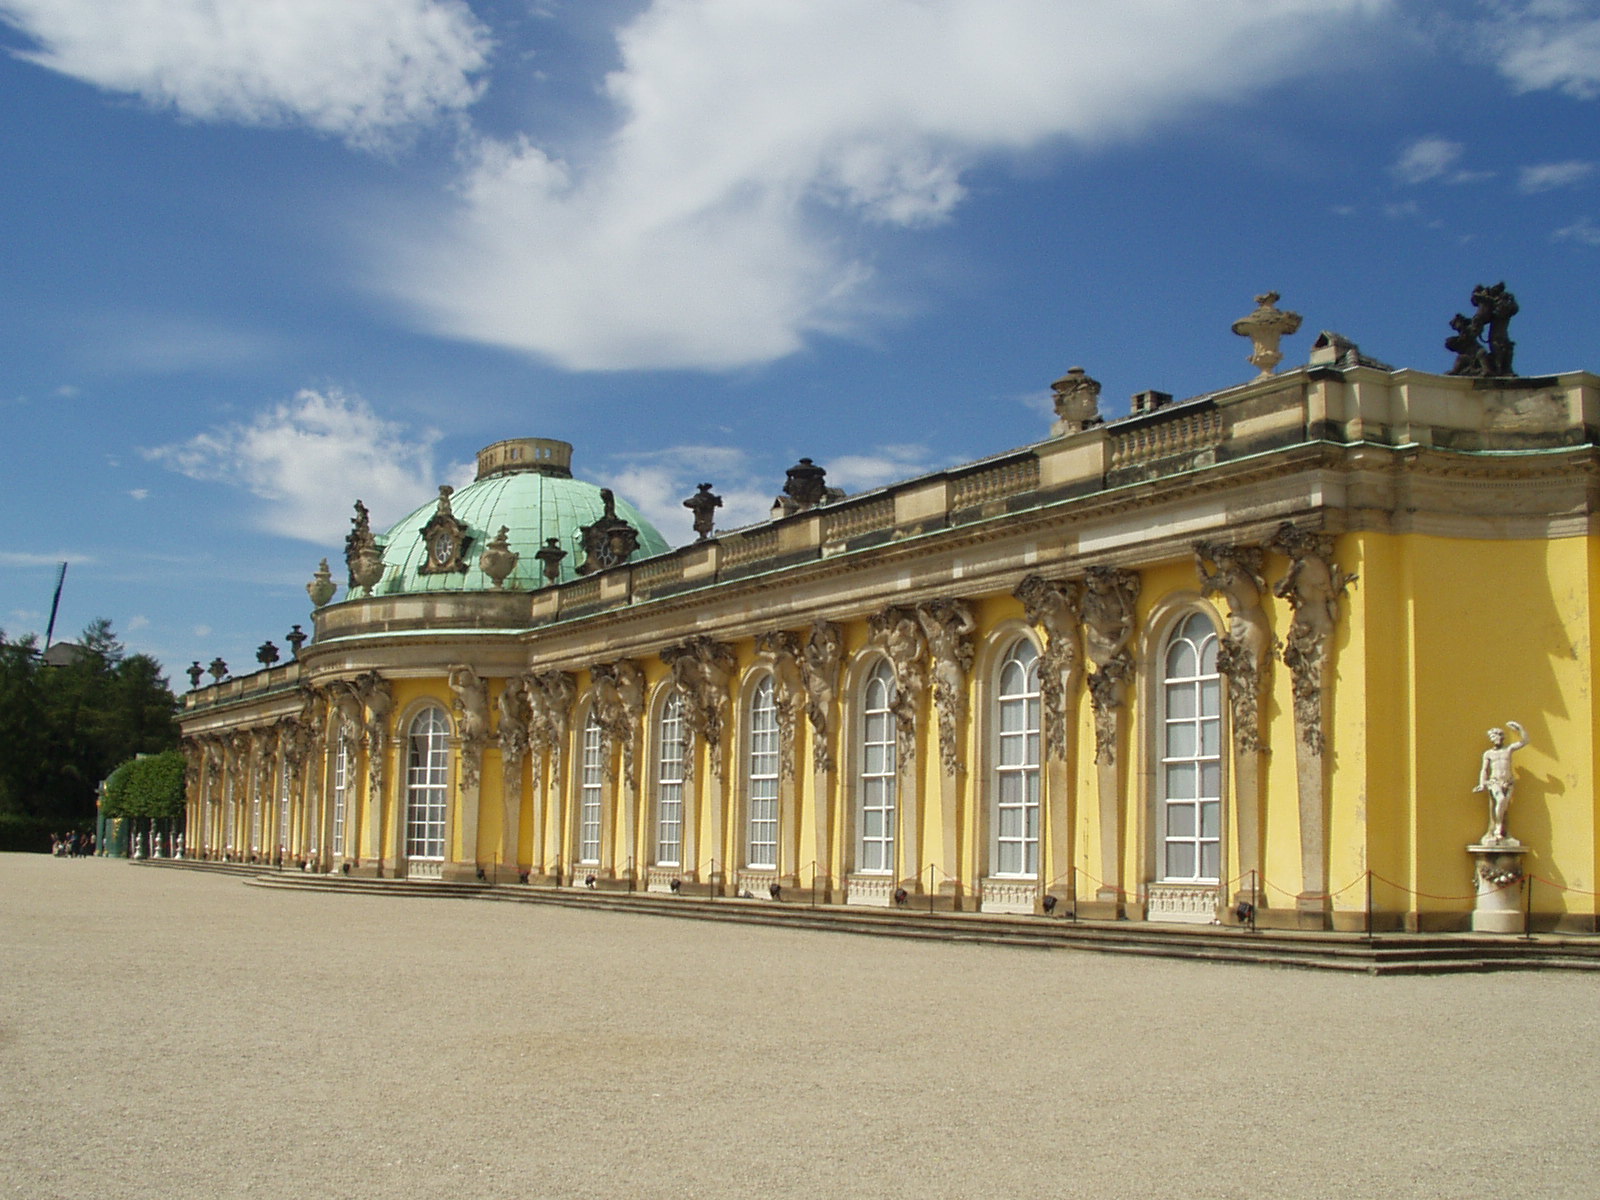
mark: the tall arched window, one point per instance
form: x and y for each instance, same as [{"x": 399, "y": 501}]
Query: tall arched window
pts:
[
  {"x": 672, "y": 748},
  {"x": 427, "y": 784},
  {"x": 341, "y": 785},
  {"x": 284, "y": 775},
  {"x": 761, "y": 777},
  {"x": 590, "y": 790},
  {"x": 876, "y": 782},
  {"x": 1015, "y": 824},
  {"x": 1190, "y": 815}
]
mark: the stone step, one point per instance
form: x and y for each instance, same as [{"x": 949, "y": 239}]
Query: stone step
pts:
[{"x": 1383, "y": 955}]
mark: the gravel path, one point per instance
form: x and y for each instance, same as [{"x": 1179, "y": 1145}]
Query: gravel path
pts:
[{"x": 176, "y": 1034}]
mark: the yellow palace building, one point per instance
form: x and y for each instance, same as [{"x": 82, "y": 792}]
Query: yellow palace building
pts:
[{"x": 1227, "y": 657}]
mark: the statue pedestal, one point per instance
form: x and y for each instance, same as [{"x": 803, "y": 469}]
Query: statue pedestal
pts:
[{"x": 1497, "y": 872}]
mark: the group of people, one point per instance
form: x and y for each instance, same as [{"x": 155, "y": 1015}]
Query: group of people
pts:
[{"x": 75, "y": 844}]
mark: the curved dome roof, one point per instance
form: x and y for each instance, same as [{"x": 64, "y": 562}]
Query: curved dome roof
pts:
[{"x": 526, "y": 485}]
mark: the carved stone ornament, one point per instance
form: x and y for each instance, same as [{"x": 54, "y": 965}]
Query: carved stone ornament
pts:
[
  {"x": 619, "y": 707},
  {"x": 1264, "y": 327},
  {"x": 898, "y": 633},
  {"x": 1482, "y": 342},
  {"x": 701, "y": 671},
  {"x": 377, "y": 699},
  {"x": 550, "y": 556},
  {"x": 819, "y": 664},
  {"x": 788, "y": 690},
  {"x": 1077, "y": 401},
  {"x": 218, "y": 670},
  {"x": 608, "y": 542},
  {"x": 512, "y": 731},
  {"x": 948, "y": 626},
  {"x": 1108, "y": 622},
  {"x": 1056, "y": 608},
  {"x": 445, "y": 539},
  {"x": 498, "y": 560},
  {"x": 322, "y": 587},
  {"x": 1313, "y": 587},
  {"x": 550, "y": 697},
  {"x": 470, "y": 701},
  {"x": 704, "y": 504},
  {"x": 267, "y": 654},
  {"x": 1235, "y": 574},
  {"x": 362, "y": 557},
  {"x": 194, "y": 673}
]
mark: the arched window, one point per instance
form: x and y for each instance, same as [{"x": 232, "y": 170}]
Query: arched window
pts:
[
  {"x": 427, "y": 784},
  {"x": 1015, "y": 820},
  {"x": 590, "y": 790},
  {"x": 1190, "y": 816},
  {"x": 341, "y": 785},
  {"x": 876, "y": 782},
  {"x": 761, "y": 777},
  {"x": 672, "y": 747}
]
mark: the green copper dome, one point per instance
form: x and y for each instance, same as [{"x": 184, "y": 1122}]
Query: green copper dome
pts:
[{"x": 526, "y": 485}]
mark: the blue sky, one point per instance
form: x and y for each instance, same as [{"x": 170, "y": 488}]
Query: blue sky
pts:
[{"x": 263, "y": 257}]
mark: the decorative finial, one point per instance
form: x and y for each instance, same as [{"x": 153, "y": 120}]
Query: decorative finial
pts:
[
  {"x": 296, "y": 637},
  {"x": 1077, "y": 401},
  {"x": 704, "y": 504},
  {"x": 498, "y": 560},
  {"x": 1264, "y": 327},
  {"x": 218, "y": 669},
  {"x": 266, "y": 654},
  {"x": 194, "y": 672},
  {"x": 322, "y": 587},
  {"x": 550, "y": 556}
]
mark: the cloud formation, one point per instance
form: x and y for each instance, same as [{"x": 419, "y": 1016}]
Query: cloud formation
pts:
[
  {"x": 1546, "y": 177},
  {"x": 1549, "y": 44},
  {"x": 361, "y": 70},
  {"x": 716, "y": 224},
  {"x": 288, "y": 455}
]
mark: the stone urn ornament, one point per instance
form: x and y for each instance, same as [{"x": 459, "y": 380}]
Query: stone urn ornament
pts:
[
  {"x": 322, "y": 587},
  {"x": 498, "y": 560},
  {"x": 1264, "y": 328}
]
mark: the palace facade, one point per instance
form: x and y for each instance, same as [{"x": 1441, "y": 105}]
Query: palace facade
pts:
[{"x": 1237, "y": 650}]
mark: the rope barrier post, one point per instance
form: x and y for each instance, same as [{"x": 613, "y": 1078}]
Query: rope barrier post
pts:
[
  {"x": 1255, "y": 898},
  {"x": 1527, "y": 912},
  {"x": 930, "y": 889},
  {"x": 1072, "y": 893},
  {"x": 1369, "y": 906}
]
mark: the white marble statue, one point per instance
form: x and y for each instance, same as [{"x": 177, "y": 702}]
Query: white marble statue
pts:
[{"x": 1495, "y": 778}]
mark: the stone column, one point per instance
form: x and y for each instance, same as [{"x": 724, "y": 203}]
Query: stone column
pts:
[
  {"x": 1243, "y": 659},
  {"x": 512, "y": 737},
  {"x": 469, "y": 701},
  {"x": 1313, "y": 587},
  {"x": 1108, "y": 625},
  {"x": 819, "y": 664},
  {"x": 1055, "y": 607},
  {"x": 948, "y": 626}
]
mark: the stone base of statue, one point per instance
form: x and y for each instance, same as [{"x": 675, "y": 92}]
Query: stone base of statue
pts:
[{"x": 1497, "y": 875}]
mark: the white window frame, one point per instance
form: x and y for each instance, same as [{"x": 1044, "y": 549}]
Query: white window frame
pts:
[
  {"x": 672, "y": 753},
  {"x": 761, "y": 777},
  {"x": 1017, "y": 775},
  {"x": 341, "y": 787},
  {"x": 877, "y": 779},
  {"x": 283, "y": 804},
  {"x": 427, "y": 785},
  {"x": 1189, "y": 758},
  {"x": 591, "y": 791}
]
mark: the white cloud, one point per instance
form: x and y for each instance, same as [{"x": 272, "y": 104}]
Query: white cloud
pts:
[
  {"x": 1546, "y": 177},
  {"x": 138, "y": 621},
  {"x": 1425, "y": 159},
  {"x": 140, "y": 493},
  {"x": 718, "y": 222},
  {"x": 889, "y": 464},
  {"x": 357, "y": 69},
  {"x": 15, "y": 558},
  {"x": 1549, "y": 44},
  {"x": 1583, "y": 231},
  {"x": 68, "y": 392},
  {"x": 201, "y": 631},
  {"x": 311, "y": 458}
]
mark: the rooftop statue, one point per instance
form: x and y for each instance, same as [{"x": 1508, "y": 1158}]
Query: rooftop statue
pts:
[{"x": 1482, "y": 342}]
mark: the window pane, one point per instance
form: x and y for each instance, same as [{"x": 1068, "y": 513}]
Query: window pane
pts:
[
  {"x": 1210, "y": 860},
  {"x": 1210, "y": 819},
  {"x": 1180, "y": 700},
  {"x": 1180, "y": 740},
  {"x": 1181, "y": 781},
  {"x": 1180, "y": 820},
  {"x": 1180, "y": 860}
]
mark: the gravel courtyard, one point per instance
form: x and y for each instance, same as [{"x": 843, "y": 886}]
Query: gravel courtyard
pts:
[{"x": 178, "y": 1034}]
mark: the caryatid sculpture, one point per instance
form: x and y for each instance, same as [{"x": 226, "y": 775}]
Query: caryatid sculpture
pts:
[
  {"x": 1056, "y": 607},
  {"x": 948, "y": 626},
  {"x": 471, "y": 704},
  {"x": 1109, "y": 594},
  {"x": 899, "y": 634},
  {"x": 1494, "y": 777},
  {"x": 819, "y": 663},
  {"x": 1234, "y": 573}
]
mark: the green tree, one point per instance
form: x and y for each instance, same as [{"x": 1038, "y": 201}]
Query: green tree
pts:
[{"x": 63, "y": 728}]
